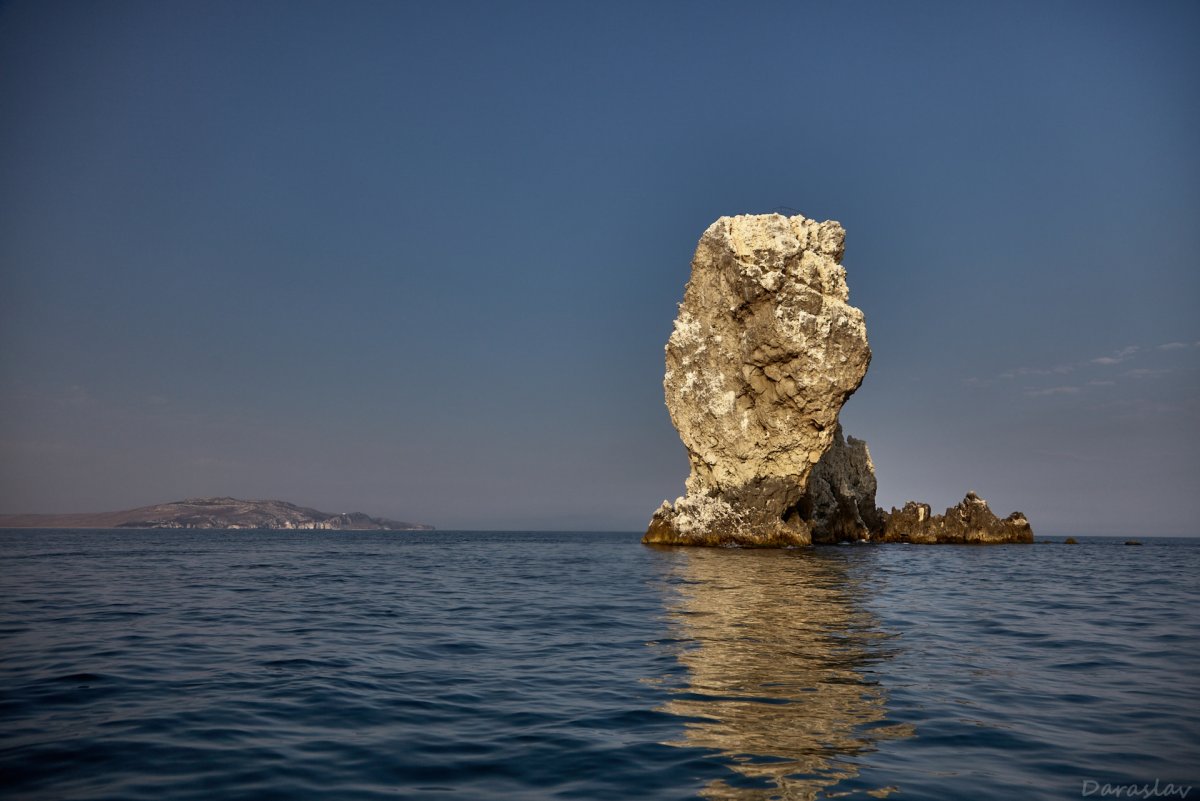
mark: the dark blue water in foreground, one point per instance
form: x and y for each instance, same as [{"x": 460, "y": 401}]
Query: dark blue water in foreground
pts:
[{"x": 270, "y": 665}]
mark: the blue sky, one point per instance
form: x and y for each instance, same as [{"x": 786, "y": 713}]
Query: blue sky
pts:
[{"x": 421, "y": 260}]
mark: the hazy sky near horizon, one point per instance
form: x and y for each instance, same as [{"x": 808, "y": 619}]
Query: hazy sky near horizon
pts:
[{"x": 421, "y": 259}]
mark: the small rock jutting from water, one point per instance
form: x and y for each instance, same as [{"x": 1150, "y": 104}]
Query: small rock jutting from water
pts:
[{"x": 969, "y": 522}]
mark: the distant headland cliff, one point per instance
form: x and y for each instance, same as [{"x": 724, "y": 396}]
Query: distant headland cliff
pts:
[
  {"x": 215, "y": 513},
  {"x": 765, "y": 351}
]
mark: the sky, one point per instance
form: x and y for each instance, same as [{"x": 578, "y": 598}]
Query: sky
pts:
[{"x": 421, "y": 259}]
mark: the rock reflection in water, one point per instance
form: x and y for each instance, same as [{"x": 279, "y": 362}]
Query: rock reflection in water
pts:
[{"x": 778, "y": 656}]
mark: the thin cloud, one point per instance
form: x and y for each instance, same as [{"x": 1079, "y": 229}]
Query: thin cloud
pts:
[
  {"x": 1117, "y": 356},
  {"x": 1051, "y": 390},
  {"x": 1061, "y": 369},
  {"x": 1065, "y": 455},
  {"x": 74, "y": 395}
]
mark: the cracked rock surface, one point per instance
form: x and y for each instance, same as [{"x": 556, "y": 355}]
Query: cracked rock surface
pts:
[{"x": 765, "y": 351}]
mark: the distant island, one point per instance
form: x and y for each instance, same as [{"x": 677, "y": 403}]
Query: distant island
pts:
[{"x": 216, "y": 513}]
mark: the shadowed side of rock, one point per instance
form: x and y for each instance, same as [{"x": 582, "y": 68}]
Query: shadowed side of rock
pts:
[
  {"x": 840, "y": 507},
  {"x": 840, "y": 502}
]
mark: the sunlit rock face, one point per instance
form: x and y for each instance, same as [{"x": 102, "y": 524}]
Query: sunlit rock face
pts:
[
  {"x": 969, "y": 522},
  {"x": 766, "y": 349},
  {"x": 782, "y": 690}
]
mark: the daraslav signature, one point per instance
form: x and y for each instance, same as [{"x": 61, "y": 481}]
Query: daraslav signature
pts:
[{"x": 1092, "y": 787}]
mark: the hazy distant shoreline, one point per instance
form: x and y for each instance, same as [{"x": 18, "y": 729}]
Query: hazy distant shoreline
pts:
[{"x": 215, "y": 513}]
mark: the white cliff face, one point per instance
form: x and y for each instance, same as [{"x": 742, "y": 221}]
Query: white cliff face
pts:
[{"x": 765, "y": 350}]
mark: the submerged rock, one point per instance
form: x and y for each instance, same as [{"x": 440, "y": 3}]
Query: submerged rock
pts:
[
  {"x": 766, "y": 349},
  {"x": 969, "y": 522}
]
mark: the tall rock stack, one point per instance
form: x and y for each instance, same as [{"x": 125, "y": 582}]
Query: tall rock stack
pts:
[{"x": 765, "y": 351}]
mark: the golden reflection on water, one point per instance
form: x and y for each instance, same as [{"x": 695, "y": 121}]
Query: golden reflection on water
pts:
[{"x": 777, "y": 676}]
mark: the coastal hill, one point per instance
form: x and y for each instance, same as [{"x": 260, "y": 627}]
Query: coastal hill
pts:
[{"x": 215, "y": 513}]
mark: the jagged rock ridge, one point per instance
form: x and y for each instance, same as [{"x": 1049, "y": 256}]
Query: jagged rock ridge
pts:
[
  {"x": 971, "y": 521},
  {"x": 841, "y": 507},
  {"x": 765, "y": 350}
]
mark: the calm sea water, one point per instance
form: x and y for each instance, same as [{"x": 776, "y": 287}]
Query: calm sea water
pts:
[{"x": 270, "y": 665}]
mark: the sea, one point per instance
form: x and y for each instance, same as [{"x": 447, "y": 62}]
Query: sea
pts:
[{"x": 184, "y": 664}]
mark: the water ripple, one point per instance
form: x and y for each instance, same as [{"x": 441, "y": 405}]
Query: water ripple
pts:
[{"x": 263, "y": 665}]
